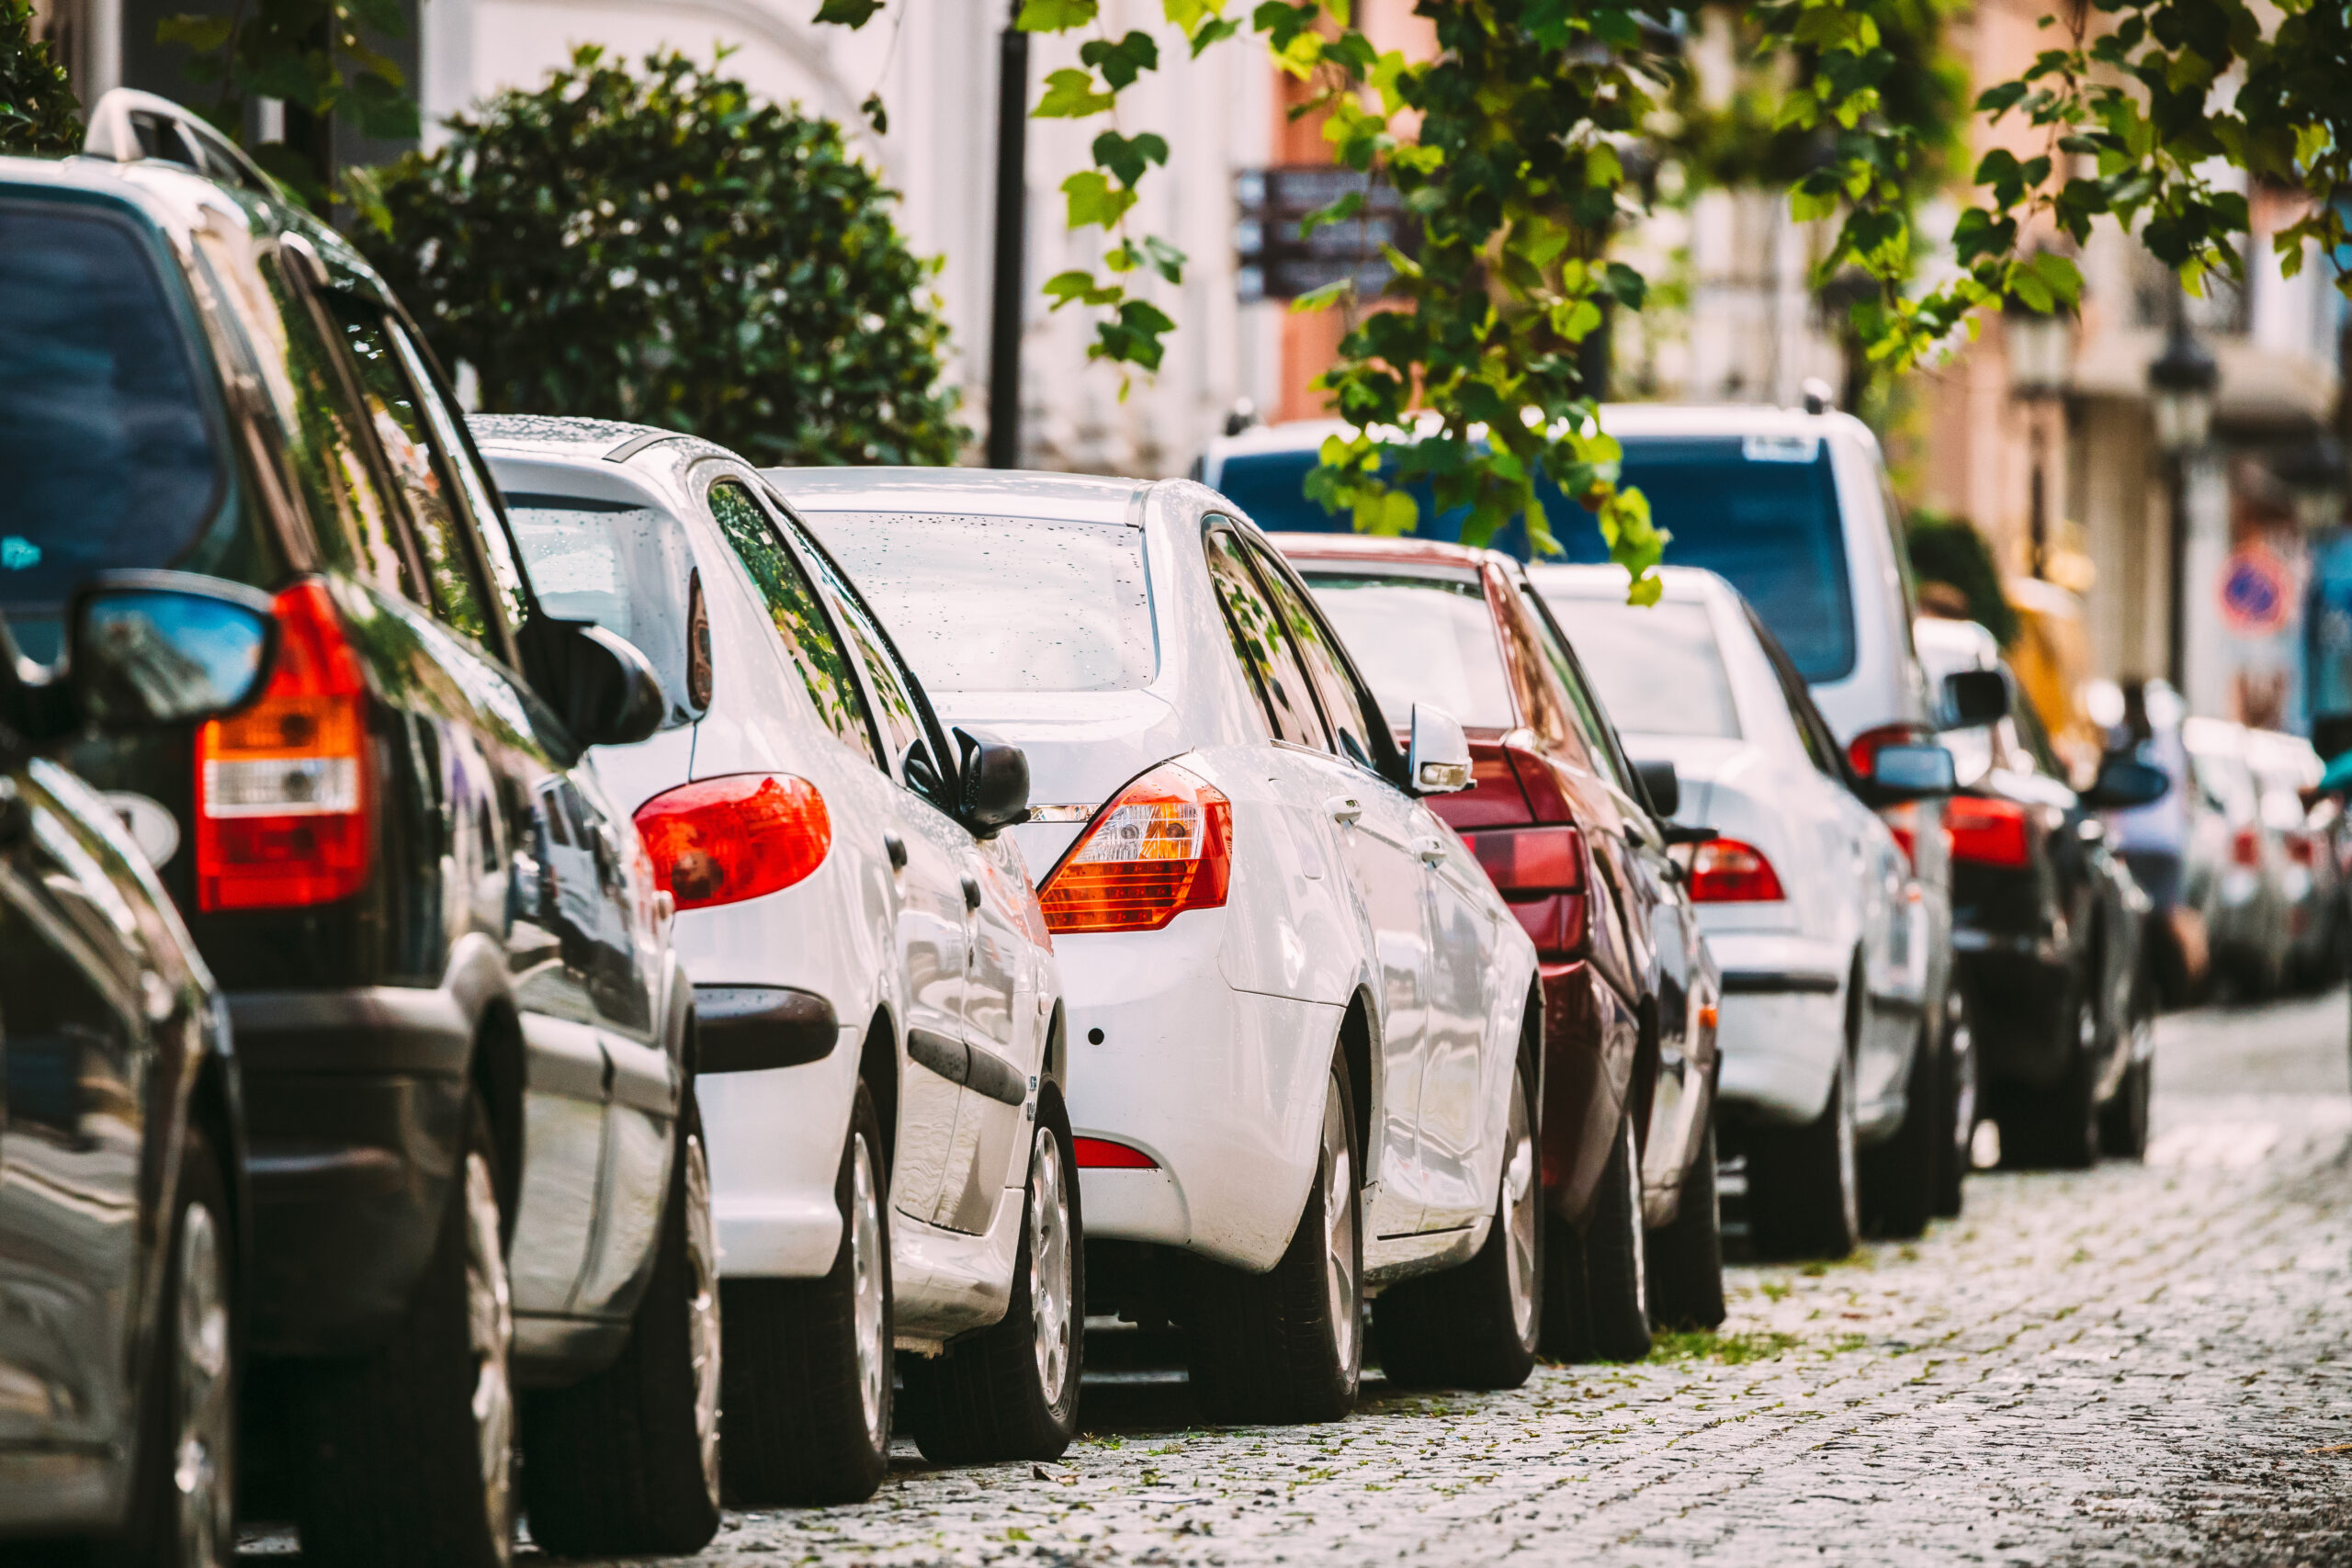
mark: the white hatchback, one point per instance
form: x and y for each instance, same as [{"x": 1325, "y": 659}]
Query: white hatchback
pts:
[
  {"x": 880, "y": 1044},
  {"x": 1304, "y": 1035}
]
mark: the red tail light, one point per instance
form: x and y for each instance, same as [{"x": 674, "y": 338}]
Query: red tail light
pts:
[
  {"x": 1725, "y": 871},
  {"x": 284, "y": 803},
  {"x": 1102, "y": 1154},
  {"x": 725, "y": 840},
  {"x": 1903, "y": 822},
  {"x": 1539, "y": 873},
  {"x": 1164, "y": 846},
  {"x": 2299, "y": 846},
  {"x": 2246, "y": 848},
  {"x": 1863, "y": 749},
  {"x": 1986, "y": 832}
]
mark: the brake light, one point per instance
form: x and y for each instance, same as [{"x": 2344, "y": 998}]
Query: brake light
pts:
[
  {"x": 1102, "y": 1154},
  {"x": 1862, "y": 749},
  {"x": 740, "y": 836},
  {"x": 2246, "y": 848},
  {"x": 1725, "y": 871},
  {"x": 1986, "y": 832},
  {"x": 1539, "y": 873},
  {"x": 2299, "y": 846},
  {"x": 1164, "y": 846},
  {"x": 283, "y": 800}
]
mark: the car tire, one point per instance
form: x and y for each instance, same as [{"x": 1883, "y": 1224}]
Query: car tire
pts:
[
  {"x": 2057, "y": 1127},
  {"x": 626, "y": 1462},
  {"x": 2124, "y": 1121},
  {"x": 1286, "y": 1347},
  {"x": 1958, "y": 1064},
  {"x": 408, "y": 1453},
  {"x": 1597, "y": 1286},
  {"x": 1803, "y": 1198},
  {"x": 1899, "y": 1176},
  {"x": 1686, "y": 1256},
  {"x": 1477, "y": 1326},
  {"x": 806, "y": 1380},
  {"x": 1010, "y": 1390},
  {"x": 184, "y": 1505}
]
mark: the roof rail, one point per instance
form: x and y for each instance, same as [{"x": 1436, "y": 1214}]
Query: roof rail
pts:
[{"x": 129, "y": 126}]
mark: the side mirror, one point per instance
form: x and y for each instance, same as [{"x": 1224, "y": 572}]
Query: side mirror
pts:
[
  {"x": 1911, "y": 772},
  {"x": 1974, "y": 697},
  {"x": 1438, "y": 758},
  {"x": 2124, "y": 782},
  {"x": 1660, "y": 782},
  {"x": 992, "y": 790},
  {"x": 2331, "y": 734},
  {"x": 146, "y": 649},
  {"x": 614, "y": 697}
]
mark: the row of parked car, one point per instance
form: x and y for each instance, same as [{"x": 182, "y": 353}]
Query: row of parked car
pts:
[{"x": 523, "y": 935}]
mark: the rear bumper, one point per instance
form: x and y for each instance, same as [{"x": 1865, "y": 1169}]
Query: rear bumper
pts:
[
  {"x": 1782, "y": 1031},
  {"x": 354, "y": 1110},
  {"x": 2017, "y": 990}
]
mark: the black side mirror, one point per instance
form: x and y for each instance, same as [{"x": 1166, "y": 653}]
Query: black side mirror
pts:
[
  {"x": 1661, "y": 784},
  {"x": 147, "y": 649},
  {"x": 992, "y": 792},
  {"x": 2125, "y": 781},
  {"x": 1974, "y": 697},
  {"x": 2331, "y": 734},
  {"x": 612, "y": 696}
]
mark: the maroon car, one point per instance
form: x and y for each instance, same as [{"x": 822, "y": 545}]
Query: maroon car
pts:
[{"x": 1574, "y": 837}]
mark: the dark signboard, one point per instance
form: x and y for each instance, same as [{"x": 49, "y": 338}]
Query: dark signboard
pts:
[{"x": 1278, "y": 263}]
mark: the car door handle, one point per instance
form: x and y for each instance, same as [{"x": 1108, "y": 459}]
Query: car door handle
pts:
[
  {"x": 971, "y": 894},
  {"x": 1432, "y": 850},
  {"x": 896, "y": 848},
  {"x": 1345, "y": 810}
]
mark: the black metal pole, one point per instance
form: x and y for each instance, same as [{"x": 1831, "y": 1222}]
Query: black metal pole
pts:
[
  {"x": 2176, "y": 612},
  {"x": 1012, "y": 211}
]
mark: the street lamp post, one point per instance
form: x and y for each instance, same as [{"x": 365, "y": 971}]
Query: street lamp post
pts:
[
  {"x": 2180, "y": 390},
  {"x": 2039, "y": 346},
  {"x": 1011, "y": 221}
]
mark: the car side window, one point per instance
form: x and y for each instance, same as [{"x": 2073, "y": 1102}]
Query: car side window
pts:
[
  {"x": 898, "y": 712},
  {"x": 809, "y": 639},
  {"x": 1260, "y": 643},
  {"x": 1820, "y": 745},
  {"x": 499, "y": 561},
  {"x": 1591, "y": 726},
  {"x": 1343, "y": 710}
]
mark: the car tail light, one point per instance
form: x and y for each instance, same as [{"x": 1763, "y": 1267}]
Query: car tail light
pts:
[
  {"x": 1862, "y": 749},
  {"x": 1725, "y": 871},
  {"x": 740, "y": 836},
  {"x": 1539, "y": 873},
  {"x": 1986, "y": 832},
  {"x": 1164, "y": 846},
  {"x": 284, "y": 803},
  {"x": 2246, "y": 848},
  {"x": 2299, "y": 846},
  {"x": 1538, "y": 780},
  {"x": 1903, "y": 822},
  {"x": 1102, "y": 1154}
]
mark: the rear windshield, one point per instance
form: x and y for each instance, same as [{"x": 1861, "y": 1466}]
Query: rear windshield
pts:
[
  {"x": 1420, "y": 640},
  {"x": 1657, "y": 667},
  {"x": 108, "y": 456},
  {"x": 1004, "y": 603},
  {"x": 629, "y": 569},
  {"x": 1270, "y": 487}
]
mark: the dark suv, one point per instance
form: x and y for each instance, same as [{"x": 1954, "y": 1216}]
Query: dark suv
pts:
[{"x": 474, "y": 1164}]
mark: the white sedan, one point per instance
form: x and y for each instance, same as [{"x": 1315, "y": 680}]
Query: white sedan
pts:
[
  {"x": 1304, "y": 1034},
  {"x": 1803, "y": 890},
  {"x": 880, "y": 1044}
]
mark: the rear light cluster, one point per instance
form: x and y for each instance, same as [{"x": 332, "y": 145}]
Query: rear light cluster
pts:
[
  {"x": 1725, "y": 871},
  {"x": 1986, "y": 832},
  {"x": 2246, "y": 848},
  {"x": 284, "y": 799},
  {"x": 1102, "y": 1154},
  {"x": 2301, "y": 851},
  {"x": 742, "y": 836},
  {"x": 1541, "y": 873},
  {"x": 1164, "y": 846}
]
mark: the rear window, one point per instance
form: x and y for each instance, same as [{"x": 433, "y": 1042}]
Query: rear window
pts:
[
  {"x": 1657, "y": 668},
  {"x": 629, "y": 569},
  {"x": 108, "y": 453},
  {"x": 1004, "y": 603},
  {"x": 1269, "y": 487},
  {"x": 1420, "y": 640}
]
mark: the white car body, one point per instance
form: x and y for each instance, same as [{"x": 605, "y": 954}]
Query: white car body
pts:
[
  {"x": 1208, "y": 1044},
  {"x": 1851, "y": 913},
  {"x": 891, "y": 950}
]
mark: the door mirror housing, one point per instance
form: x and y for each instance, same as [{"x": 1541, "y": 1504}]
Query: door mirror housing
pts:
[
  {"x": 1975, "y": 697},
  {"x": 1910, "y": 772},
  {"x": 2124, "y": 782},
  {"x": 1662, "y": 784},
  {"x": 151, "y": 650},
  {"x": 1437, "y": 760},
  {"x": 2331, "y": 734},
  {"x": 992, "y": 788},
  {"x": 611, "y": 695}
]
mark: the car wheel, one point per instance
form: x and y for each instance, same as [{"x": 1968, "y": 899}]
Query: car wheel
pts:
[
  {"x": 1010, "y": 1390},
  {"x": 2057, "y": 1126},
  {"x": 185, "y": 1507},
  {"x": 1685, "y": 1257},
  {"x": 1287, "y": 1346},
  {"x": 626, "y": 1462},
  {"x": 1476, "y": 1326},
  {"x": 1958, "y": 1065},
  {"x": 1598, "y": 1284},
  {"x": 807, "y": 1383},
  {"x": 1802, "y": 1181},
  {"x": 408, "y": 1452},
  {"x": 2124, "y": 1121},
  {"x": 1899, "y": 1175}
]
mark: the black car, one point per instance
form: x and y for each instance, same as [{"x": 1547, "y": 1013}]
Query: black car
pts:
[
  {"x": 474, "y": 1163},
  {"x": 2047, "y": 929},
  {"x": 121, "y": 1128}
]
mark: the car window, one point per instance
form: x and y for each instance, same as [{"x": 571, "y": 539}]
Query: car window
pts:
[
  {"x": 809, "y": 639},
  {"x": 1343, "y": 710},
  {"x": 2033, "y": 741},
  {"x": 1820, "y": 745},
  {"x": 631, "y": 570},
  {"x": 1420, "y": 640},
  {"x": 1594, "y": 726},
  {"x": 897, "y": 711},
  {"x": 1261, "y": 645},
  {"x": 1657, "y": 667},
  {"x": 457, "y": 452}
]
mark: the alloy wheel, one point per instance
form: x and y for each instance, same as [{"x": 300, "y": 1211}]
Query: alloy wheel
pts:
[
  {"x": 204, "y": 1452},
  {"x": 1850, "y": 1181},
  {"x": 1964, "y": 1087},
  {"x": 490, "y": 1318},
  {"x": 1339, "y": 1261},
  {"x": 867, "y": 1264},
  {"x": 1522, "y": 1212},
  {"x": 1641, "y": 1246},
  {"x": 1049, "y": 1265},
  {"x": 702, "y": 1308}
]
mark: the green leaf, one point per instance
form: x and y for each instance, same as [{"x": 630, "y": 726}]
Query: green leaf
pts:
[
  {"x": 1079, "y": 289},
  {"x": 1348, "y": 204},
  {"x": 201, "y": 33},
  {"x": 1216, "y": 32},
  {"x": 876, "y": 113},
  {"x": 1093, "y": 200},
  {"x": 1323, "y": 298},
  {"x": 1054, "y": 16},
  {"x": 1129, "y": 156},
  {"x": 1070, "y": 94},
  {"x": 848, "y": 13},
  {"x": 1123, "y": 62}
]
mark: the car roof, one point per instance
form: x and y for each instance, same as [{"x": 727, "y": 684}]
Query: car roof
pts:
[
  {"x": 982, "y": 492},
  {"x": 1696, "y": 420},
  {"x": 567, "y": 435},
  {"x": 1690, "y": 584},
  {"x": 1375, "y": 548}
]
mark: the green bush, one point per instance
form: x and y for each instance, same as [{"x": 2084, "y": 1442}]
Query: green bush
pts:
[
  {"x": 660, "y": 246},
  {"x": 37, "y": 111},
  {"x": 1951, "y": 550}
]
